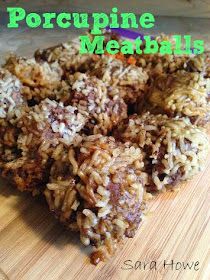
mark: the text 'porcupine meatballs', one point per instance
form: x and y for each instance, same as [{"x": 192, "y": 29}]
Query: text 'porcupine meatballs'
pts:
[
  {"x": 89, "y": 96},
  {"x": 126, "y": 81},
  {"x": 175, "y": 150},
  {"x": 45, "y": 129},
  {"x": 105, "y": 201},
  {"x": 180, "y": 94}
]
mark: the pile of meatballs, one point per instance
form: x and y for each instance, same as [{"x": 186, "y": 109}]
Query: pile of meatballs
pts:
[{"x": 99, "y": 135}]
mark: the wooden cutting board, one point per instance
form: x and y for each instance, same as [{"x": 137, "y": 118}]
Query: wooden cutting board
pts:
[{"x": 33, "y": 246}]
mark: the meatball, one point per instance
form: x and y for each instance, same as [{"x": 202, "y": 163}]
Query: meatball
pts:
[
  {"x": 68, "y": 132},
  {"x": 175, "y": 150},
  {"x": 103, "y": 195},
  {"x": 44, "y": 132},
  {"x": 8, "y": 142},
  {"x": 126, "y": 81},
  {"x": 180, "y": 94},
  {"x": 11, "y": 99},
  {"x": 89, "y": 96},
  {"x": 67, "y": 56},
  {"x": 12, "y": 106},
  {"x": 27, "y": 174},
  {"x": 49, "y": 124},
  {"x": 40, "y": 80},
  {"x": 157, "y": 64}
]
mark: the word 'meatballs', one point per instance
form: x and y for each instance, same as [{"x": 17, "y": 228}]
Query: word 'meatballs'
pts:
[
  {"x": 104, "y": 201},
  {"x": 175, "y": 150}
]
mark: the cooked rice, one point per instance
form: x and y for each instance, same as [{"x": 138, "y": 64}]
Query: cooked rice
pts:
[
  {"x": 180, "y": 94},
  {"x": 11, "y": 100},
  {"x": 8, "y": 142},
  {"x": 12, "y": 106},
  {"x": 175, "y": 150},
  {"x": 104, "y": 202},
  {"x": 89, "y": 96},
  {"x": 40, "y": 80},
  {"x": 126, "y": 81},
  {"x": 44, "y": 130},
  {"x": 27, "y": 174},
  {"x": 67, "y": 56},
  {"x": 49, "y": 124},
  {"x": 157, "y": 64},
  {"x": 53, "y": 107}
]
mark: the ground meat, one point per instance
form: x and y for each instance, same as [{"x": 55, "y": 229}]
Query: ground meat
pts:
[
  {"x": 11, "y": 99},
  {"x": 12, "y": 107},
  {"x": 89, "y": 95},
  {"x": 67, "y": 56},
  {"x": 27, "y": 174},
  {"x": 126, "y": 81},
  {"x": 42, "y": 133},
  {"x": 47, "y": 125},
  {"x": 180, "y": 94},
  {"x": 57, "y": 112},
  {"x": 174, "y": 149},
  {"x": 40, "y": 80},
  {"x": 108, "y": 194}
]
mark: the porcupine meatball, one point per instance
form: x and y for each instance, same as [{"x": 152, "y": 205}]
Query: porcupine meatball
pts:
[
  {"x": 11, "y": 99},
  {"x": 102, "y": 196},
  {"x": 45, "y": 130},
  {"x": 89, "y": 96},
  {"x": 175, "y": 150},
  {"x": 67, "y": 56},
  {"x": 126, "y": 81},
  {"x": 49, "y": 124},
  {"x": 180, "y": 94},
  {"x": 156, "y": 64},
  {"x": 40, "y": 80},
  {"x": 12, "y": 105}
]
